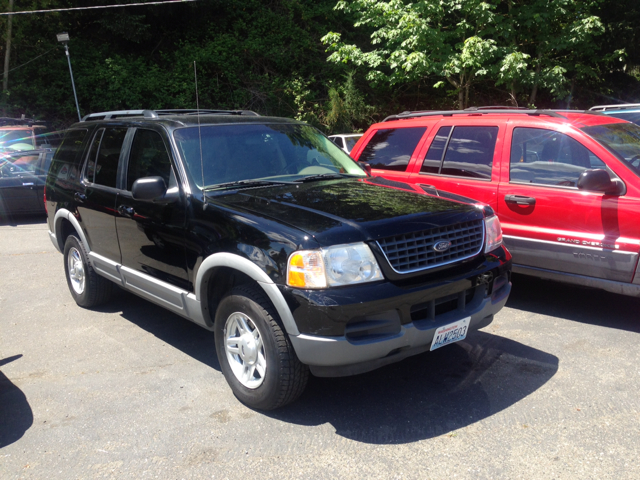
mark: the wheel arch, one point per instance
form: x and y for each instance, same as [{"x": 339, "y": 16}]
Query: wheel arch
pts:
[
  {"x": 224, "y": 266},
  {"x": 65, "y": 224}
]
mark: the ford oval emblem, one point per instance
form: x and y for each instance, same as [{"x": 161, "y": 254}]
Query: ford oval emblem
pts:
[{"x": 442, "y": 246}]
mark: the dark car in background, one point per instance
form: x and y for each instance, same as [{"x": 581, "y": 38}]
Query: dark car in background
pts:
[{"x": 22, "y": 178}]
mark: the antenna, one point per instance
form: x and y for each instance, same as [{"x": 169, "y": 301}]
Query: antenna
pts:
[{"x": 204, "y": 196}]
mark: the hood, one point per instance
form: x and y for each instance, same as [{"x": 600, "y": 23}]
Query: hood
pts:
[{"x": 349, "y": 210}]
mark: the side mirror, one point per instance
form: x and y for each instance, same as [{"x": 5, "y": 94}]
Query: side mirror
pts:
[
  {"x": 366, "y": 167},
  {"x": 149, "y": 189},
  {"x": 598, "y": 180}
]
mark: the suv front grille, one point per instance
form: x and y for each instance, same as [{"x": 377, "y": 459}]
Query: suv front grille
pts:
[{"x": 415, "y": 251}]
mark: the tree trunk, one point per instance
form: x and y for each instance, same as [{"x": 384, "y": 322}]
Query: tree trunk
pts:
[
  {"x": 459, "y": 85},
  {"x": 7, "y": 53},
  {"x": 466, "y": 93},
  {"x": 573, "y": 84}
]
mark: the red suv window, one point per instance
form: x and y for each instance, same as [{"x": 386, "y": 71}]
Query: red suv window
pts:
[
  {"x": 547, "y": 157},
  {"x": 469, "y": 152},
  {"x": 391, "y": 148}
]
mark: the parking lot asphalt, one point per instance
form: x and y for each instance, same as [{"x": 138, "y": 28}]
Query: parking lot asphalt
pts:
[{"x": 548, "y": 390}]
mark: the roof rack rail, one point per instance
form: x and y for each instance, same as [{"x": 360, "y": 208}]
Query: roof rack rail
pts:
[
  {"x": 450, "y": 113},
  {"x": 496, "y": 107},
  {"x": 157, "y": 113},
  {"x": 193, "y": 111},
  {"x": 618, "y": 106},
  {"x": 119, "y": 114}
]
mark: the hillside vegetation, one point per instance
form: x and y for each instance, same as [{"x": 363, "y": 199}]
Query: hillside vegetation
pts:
[{"x": 339, "y": 65}]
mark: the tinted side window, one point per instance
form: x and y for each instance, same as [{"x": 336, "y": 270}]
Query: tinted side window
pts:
[
  {"x": 103, "y": 167},
  {"x": 433, "y": 160},
  {"x": 548, "y": 157},
  {"x": 64, "y": 167},
  {"x": 391, "y": 149},
  {"x": 470, "y": 152},
  {"x": 148, "y": 158},
  {"x": 71, "y": 147},
  {"x": 90, "y": 171}
]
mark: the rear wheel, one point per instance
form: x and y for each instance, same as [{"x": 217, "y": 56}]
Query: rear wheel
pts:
[
  {"x": 87, "y": 288},
  {"x": 254, "y": 351}
]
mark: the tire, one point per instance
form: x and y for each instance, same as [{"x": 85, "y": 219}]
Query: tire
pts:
[
  {"x": 87, "y": 288},
  {"x": 255, "y": 354}
]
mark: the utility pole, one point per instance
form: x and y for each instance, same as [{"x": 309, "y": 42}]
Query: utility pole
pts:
[{"x": 7, "y": 53}]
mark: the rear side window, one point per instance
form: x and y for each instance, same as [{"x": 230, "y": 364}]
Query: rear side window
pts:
[
  {"x": 148, "y": 158},
  {"x": 547, "y": 157},
  {"x": 391, "y": 148},
  {"x": 104, "y": 155},
  {"x": 462, "y": 152},
  {"x": 71, "y": 147},
  {"x": 67, "y": 157}
]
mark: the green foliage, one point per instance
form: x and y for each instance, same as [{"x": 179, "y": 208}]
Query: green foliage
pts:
[
  {"x": 518, "y": 44},
  {"x": 346, "y": 109}
]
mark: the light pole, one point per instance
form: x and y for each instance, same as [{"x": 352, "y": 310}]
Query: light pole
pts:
[{"x": 64, "y": 39}]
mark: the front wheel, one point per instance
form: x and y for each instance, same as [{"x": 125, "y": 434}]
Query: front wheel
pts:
[
  {"x": 254, "y": 352},
  {"x": 87, "y": 288}
]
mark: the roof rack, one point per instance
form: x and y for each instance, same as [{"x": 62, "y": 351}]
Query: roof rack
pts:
[
  {"x": 474, "y": 111},
  {"x": 618, "y": 106},
  {"x": 190, "y": 111},
  {"x": 496, "y": 107},
  {"x": 19, "y": 122},
  {"x": 158, "y": 113}
]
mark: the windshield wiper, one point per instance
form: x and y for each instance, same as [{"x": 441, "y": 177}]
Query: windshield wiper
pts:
[
  {"x": 246, "y": 184},
  {"x": 322, "y": 176}
]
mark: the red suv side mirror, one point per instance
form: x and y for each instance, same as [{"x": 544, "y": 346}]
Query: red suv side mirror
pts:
[
  {"x": 598, "y": 180},
  {"x": 366, "y": 167}
]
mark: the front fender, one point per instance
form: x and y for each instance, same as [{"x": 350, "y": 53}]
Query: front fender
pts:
[{"x": 241, "y": 264}]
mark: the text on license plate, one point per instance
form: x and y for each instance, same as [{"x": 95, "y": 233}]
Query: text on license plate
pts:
[{"x": 451, "y": 333}]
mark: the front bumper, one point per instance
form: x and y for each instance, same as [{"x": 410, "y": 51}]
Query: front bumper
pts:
[{"x": 384, "y": 338}]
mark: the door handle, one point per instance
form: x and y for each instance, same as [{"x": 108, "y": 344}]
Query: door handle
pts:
[
  {"x": 80, "y": 197},
  {"x": 520, "y": 199},
  {"x": 126, "y": 211}
]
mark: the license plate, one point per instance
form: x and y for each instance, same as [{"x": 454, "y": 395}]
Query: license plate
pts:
[{"x": 451, "y": 333}]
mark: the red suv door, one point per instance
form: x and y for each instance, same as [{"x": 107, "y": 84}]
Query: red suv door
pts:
[{"x": 549, "y": 223}]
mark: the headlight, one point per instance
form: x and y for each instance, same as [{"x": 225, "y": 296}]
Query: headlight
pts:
[
  {"x": 493, "y": 233},
  {"x": 333, "y": 266}
]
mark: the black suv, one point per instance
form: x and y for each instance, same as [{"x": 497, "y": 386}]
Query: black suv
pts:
[{"x": 264, "y": 231}]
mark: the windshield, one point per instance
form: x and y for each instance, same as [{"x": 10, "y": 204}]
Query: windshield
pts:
[
  {"x": 275, "y": 152},
  {"x": 16, "y": 140},
  {"x": 628, "y": 116},
  {"x": 622, "y": 139}
]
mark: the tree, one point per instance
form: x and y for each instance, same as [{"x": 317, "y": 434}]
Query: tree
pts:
[
  {"x": 520, "y": 44},
  {"x": 448, "y": 38}
]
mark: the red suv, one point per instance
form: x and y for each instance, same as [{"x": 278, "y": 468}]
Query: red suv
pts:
[{"x": 565, "y": 184}]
